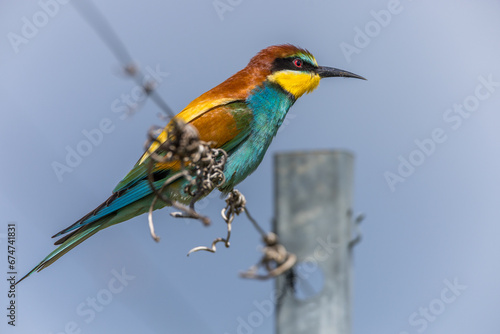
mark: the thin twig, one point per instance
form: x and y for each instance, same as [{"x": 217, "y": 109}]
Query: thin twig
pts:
[
  {"x": 255, "y": 224},
  {"x": 235, "y": 205},
  {"x": 101, "y": 26},
  {"x": 201, "y": 165}
]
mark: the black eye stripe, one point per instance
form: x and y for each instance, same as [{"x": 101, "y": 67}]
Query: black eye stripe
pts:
[{"x": 288, "y": 64}]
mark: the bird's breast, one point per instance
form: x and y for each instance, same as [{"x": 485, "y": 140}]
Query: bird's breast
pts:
[{"x": 269, "y": 104}]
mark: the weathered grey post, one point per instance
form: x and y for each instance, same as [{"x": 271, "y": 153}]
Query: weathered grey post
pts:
[{"x": 313, "y": 220}]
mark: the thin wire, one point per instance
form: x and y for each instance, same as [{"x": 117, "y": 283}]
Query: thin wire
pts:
[
  {"x": 98, "y": 22},
  {"x": 101, "y": 26},
  {"x": 255, "y": 224}
]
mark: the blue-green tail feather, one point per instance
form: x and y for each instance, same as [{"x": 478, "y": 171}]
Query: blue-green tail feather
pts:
[
  {"x": 69, "y": 243},
  {"x": 121, "y": 206}
]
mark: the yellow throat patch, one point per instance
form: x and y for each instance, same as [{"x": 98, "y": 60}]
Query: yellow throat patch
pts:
[{"x": 296, "y": 83}]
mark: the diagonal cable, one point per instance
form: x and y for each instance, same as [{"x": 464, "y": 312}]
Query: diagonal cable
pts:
[{"x": 103, "y": 29}]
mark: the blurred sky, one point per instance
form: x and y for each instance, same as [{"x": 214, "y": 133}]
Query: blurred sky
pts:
[{"x": 438, "y": 227}]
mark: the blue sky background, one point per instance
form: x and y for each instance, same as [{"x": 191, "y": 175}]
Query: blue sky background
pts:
[{"x": 440, "y": 225}]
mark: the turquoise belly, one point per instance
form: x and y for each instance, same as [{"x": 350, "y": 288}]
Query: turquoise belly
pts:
[{"x": 270, "y": 104}]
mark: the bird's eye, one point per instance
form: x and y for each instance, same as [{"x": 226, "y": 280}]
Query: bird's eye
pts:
[{"x": 297, "y": 62}]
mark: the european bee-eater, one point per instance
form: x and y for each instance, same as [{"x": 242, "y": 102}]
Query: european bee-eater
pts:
[{"x": 241, "y": 116}]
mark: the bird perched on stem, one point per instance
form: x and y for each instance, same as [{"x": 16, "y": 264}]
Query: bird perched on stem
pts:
[{"x": 240, "y": 116}]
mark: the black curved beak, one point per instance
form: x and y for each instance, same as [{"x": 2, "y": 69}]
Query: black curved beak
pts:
[{"x": 326, "y": 72}]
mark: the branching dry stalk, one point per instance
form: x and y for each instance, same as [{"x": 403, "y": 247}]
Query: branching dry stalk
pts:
[
  {"x": 235, "y": 204},
  {"x": 276, "y": 259},
  {"x": 200, "y": 164},
  {"x": 203, "y": 167}
]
